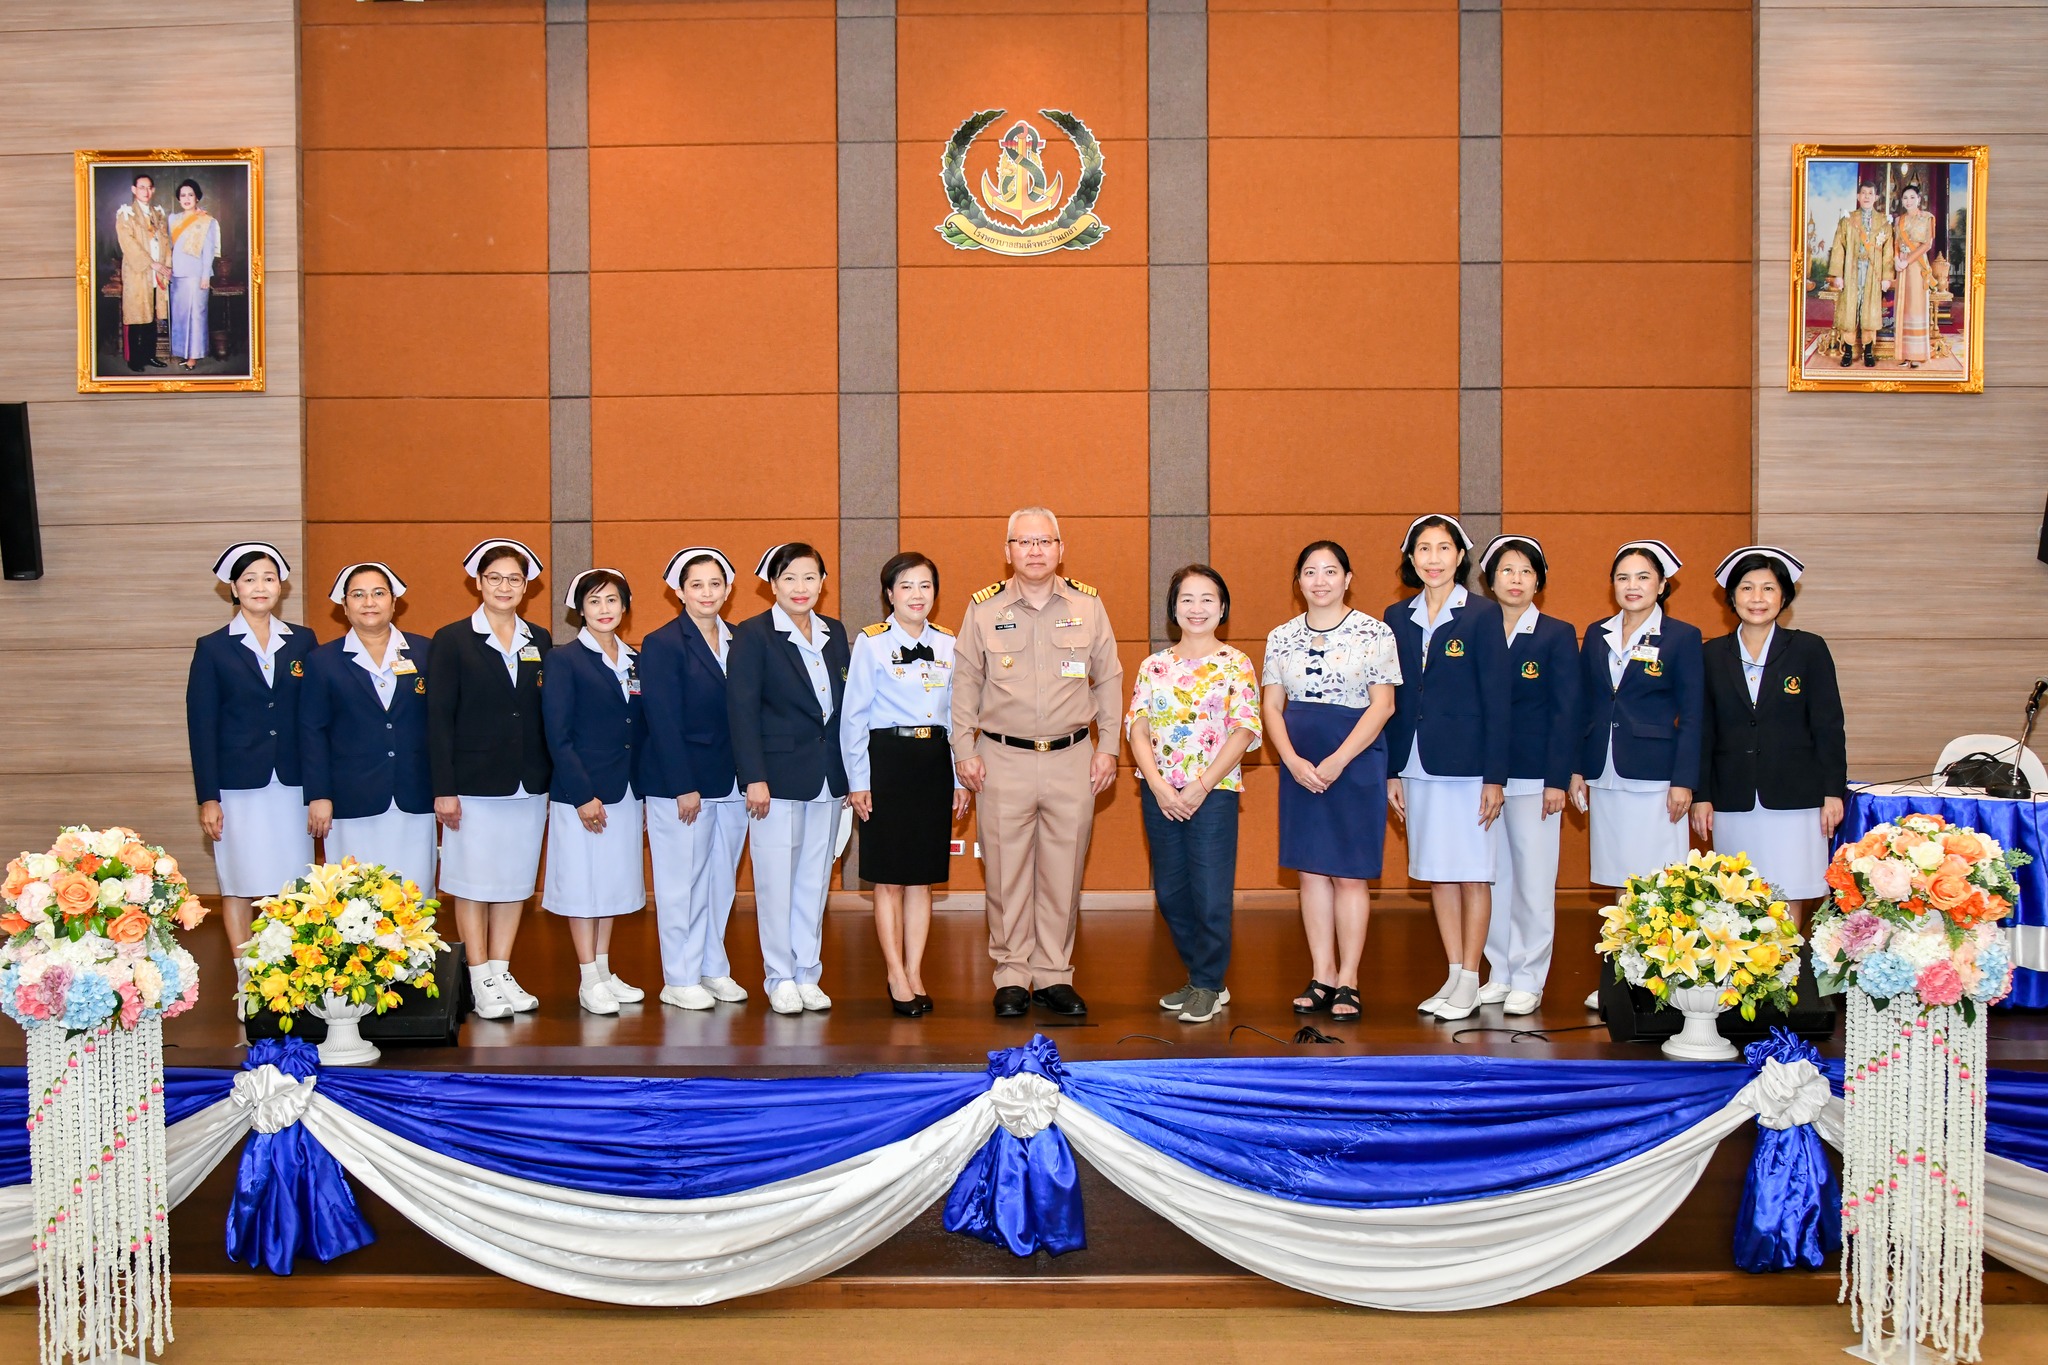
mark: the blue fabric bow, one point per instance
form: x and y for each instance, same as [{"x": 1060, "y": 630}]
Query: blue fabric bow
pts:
[
  {"x": 290, "y": 1193},
  {"x": 1791, "y": 1212},
  {"x": 1022, "y": 1193}
]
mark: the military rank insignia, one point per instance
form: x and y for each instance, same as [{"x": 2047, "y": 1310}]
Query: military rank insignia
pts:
[
  {"x": 1454, "y": 649},
  {"x": 1791, "y": 687},
  {"x": 298, "y": 668},
  {"x": 1532, "y": 669},
  {"x": 1021, "y": 190},
  {"x": 1654, "y": 669}
]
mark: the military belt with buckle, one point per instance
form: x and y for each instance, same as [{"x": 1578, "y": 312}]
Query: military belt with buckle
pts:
[
  {"x": 917, "y": 731},
  {"x": 1043, "y": 746}
]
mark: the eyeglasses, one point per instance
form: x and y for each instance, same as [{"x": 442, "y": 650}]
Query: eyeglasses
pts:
[
  {"x": 505, "y": 580},
  {"x": 1034, "y": 542}
]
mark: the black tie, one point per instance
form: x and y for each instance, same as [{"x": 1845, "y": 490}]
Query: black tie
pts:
[{"x": 910, "y": 654}]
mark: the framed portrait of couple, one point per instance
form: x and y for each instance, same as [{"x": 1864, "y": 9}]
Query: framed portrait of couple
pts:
[
  {"x": 170, "y": 270},
  {"x": 1888, "y": 268}
]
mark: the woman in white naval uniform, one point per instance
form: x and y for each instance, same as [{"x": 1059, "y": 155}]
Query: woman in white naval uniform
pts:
[
  {"x": 899, "y": 770},
  {"x": 242, "y": 720},
  {"x": 363, "y": 733}
]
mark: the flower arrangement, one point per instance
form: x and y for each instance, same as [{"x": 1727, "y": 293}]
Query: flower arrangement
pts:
[
  {"x": 1914, "y": 908},
  {"x": 1708, "y": 921},
  {"x": 349, "y": 930},
  {"x": 88, "y": 934}
]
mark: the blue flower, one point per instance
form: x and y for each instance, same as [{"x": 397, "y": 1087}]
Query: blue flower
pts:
[
  {"x": 1991, "y": 960},
  {"x": 174, "y": 981},
  {"x": 10, "y": 977},
  {"x": 90, "y": 1001},
  {"x": 1885, "y": 974}
]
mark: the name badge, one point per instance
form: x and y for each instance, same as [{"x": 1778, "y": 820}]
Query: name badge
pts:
[
  {"x": 1644, "y": 654},
  {"x": 632, "y": 680},
  {"x": 1006, "y": 625},
  {"x": 530, "y": 654},
  {"x": 404, "y": 666},
  {"x": 1074, "y": 668}
]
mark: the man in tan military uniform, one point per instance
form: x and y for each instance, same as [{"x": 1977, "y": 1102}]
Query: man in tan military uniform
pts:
[
  {"x": 145, "y": 237},
  {"x": 1035, "y": 664}
]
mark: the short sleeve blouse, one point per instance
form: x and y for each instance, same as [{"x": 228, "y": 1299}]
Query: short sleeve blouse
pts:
[
  {"x": 1338, "y": 666},
  {"x": 1191, "y": 706}
]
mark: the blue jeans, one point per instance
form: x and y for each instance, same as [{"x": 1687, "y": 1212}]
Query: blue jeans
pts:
[{"x": 1194, "y": 867}]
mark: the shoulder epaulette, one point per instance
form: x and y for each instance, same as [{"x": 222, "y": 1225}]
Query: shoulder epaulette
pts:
[
  {"x": 990, "y": 591},
  {"x": 1078, "y": 586},
  {"x": 939, "y": 628},
  {"x": 878, "y": 628}
]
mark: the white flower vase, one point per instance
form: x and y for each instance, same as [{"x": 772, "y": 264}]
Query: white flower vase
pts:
[
  {"x": 1700, "y": 1040},
  {"x": 345, "y": 1045}
]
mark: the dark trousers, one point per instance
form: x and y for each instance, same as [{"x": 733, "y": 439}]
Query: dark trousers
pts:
[
  {"x": 141, "y": 346},
  {"x": 1194, "y": 867}
]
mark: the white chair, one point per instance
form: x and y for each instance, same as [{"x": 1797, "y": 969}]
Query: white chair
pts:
[{"x": 2001, "y": 747}]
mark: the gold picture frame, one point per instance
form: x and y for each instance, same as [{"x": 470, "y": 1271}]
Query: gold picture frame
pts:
[
  {"x": 210, "y": 316},
  {"x": 1937, "y": 344}
]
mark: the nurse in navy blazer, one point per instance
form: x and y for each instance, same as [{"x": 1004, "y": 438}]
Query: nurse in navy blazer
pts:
[
  {"x": 785, "y": 684},
  {"x": 242, "y": 720},
  {"x": 597, "y": 736},
  {"x": 696, "y": 817},
  {"x": 1448, "y": 743},
  {"x": 363, "y": 733},
  {"x": 1543, "y": 672}
]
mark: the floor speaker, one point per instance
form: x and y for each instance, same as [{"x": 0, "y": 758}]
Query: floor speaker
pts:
[
  {"x": 433, "y": 1021},
  {"x": 21, "y": 537},
  {"x": 1633, "y": 1016}
]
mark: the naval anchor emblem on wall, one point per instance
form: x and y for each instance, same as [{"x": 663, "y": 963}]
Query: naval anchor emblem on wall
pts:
[{"x": 1020, "y": 189}]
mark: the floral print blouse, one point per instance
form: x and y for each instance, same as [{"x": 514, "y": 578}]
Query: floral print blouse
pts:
[
  {"x": 1337, "y": 666},
  {"x": 1192, "y": 705}
]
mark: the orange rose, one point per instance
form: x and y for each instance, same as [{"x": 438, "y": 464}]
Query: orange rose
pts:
[
  {"x": 131, "y": 927},
  {"x": 1948, "y": 888},
  {"x": 136, "y": 858},
  {"x": 17, "y": 878},
  {"x": 1975, "y": 908},
  {"x": 189, "y": 912},
  {"x": 1964, "y": 844},
  {"x": 11, "y": 923},
  {"x": 1871, "y": 845},
  {"x": 1840, "y": 877},
  {"x": 69, "y": 847},
  {"x": 76, "y": 894},
  {"x": 1907, "y": 841}
]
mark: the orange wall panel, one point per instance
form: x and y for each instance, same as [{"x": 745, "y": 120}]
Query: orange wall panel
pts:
[
  {"x": 423, "y": 85},
  {"x": 401, "y": 460},
  {"x": 1654, "y": 70},
  {"x": 1676, "y": 208},
  {"x": 707, "y": 208},
  {"x": 954, "y": 321},
  {"x": 714, "y": 331},
  {"x": 426, "y": 336},
  {"x": 427, "y": 555},
  {"x": 1618, "y": 450},
  {"x": 1373, "y": 199},
  {"x": 1282, "y": 74},
  {"x": 1338, "y": 326},
  {"x": 1581, "y": 546},
  {"x": 1340, "y": 450},
  {"x": 676, "y": 82},
  {"x": 982, "y": 454},
  {"x": 641, "y": 549},
  {"x": 426, "y": 212},
  {"x": 1565, "y": 324},
  {"x": 715, "y": 457},
  {"x": 1257, "y": 555},
  {"x": 949, "y": 65},
  {"x": 313, "y": 12}
]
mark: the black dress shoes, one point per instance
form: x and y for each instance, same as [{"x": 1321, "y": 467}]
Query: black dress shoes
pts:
[
  {"x": 1869, "y": 357},
  {"x": 1012, "y": 1002},
  {"x": 924, "y": 1002},
  {"x": 1060, "y": 1000}
]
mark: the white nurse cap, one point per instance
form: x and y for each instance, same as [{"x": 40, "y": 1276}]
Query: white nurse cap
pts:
[
  {"x": 224, "y": 567},
  {"x": 472, "y": 562},
  {"x": 340, "y": 590},
  {"x": 1457, "y": 530},
  {"x": 1657, "y": 550},
  {"x": 569, "y": 600},
  {"x": 1726, "y": 569},
  {"x": 761, "y": 569},
  {"x": 1498, "y": 544},
  {"x": 673, "y": 574}
]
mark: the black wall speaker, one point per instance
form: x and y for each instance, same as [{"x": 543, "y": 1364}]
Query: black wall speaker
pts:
[
  {"x": 434, "y": 1022},
  {"x": 1633, "y": 1017},
  {"x": 21, "y": 537}
]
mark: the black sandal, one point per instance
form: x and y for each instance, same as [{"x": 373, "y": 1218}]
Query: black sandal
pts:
[
  {"x": 1345, "y": 995},
  {"x": 1320, "y": 996}
]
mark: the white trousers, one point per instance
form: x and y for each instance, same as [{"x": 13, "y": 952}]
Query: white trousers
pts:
[
  {"x": 1524, "y": 922},
  {"x": 695, "y": 869},
  {"x": 793, "y": 850}
]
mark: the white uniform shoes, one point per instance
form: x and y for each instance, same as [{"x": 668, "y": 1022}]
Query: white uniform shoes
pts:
[
  {"x": 1593, "y": 1001},
  {"x": 1522, "y": 1002},
  {"x": 596, "y": 997},
  {"x": 726, "y": 989},
  {"x": 518, "y": 997},
  {"x": 1493, "y": 992},
  {"x": 813, "y": 998},
  {"x": 688, "y": 997},
  {"x": 490, "y": 998},
  {"x": 785, "y": 1000},
  {"x": 624, "y": 994}
]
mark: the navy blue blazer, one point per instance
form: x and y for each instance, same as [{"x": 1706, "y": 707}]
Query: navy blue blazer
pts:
[
  {"x": 595, "y": 732},
  {"x": 354, "y": 752},
  {"x": 1787, "y": 749},
  {"x": 1654, "y": 716},
  {"x": 244, "y": 731},
  {"x": 1543, "y": 669},
  {"x": 778, "y": 737},
  {"x": 1457, "y": 701},
  {"x": 689, "y": 735}
]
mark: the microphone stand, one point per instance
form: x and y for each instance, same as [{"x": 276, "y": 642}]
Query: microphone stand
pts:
[{"x": 2019, "y": 789}]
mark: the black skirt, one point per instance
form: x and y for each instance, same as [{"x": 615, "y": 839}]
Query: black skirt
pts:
[{"x": 908, "y": 840}]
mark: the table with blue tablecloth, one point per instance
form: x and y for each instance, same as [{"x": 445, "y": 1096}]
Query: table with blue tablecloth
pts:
[{"x": 2014, "y": 824}]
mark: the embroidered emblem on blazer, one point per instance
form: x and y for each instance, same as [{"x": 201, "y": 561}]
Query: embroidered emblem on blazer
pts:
[
  {"x": 1532, "y": 669},
  {"x": 1654, "y": 669},
  {"x": 419, "y": 685},
  {"x": 1791, "y": 687},
  {"x": 1454, "y": 649},
  {"x": 298, "y": 669},
  {"x": 537, "y": 677}
]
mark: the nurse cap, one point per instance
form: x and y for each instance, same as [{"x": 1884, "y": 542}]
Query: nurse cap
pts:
[
  {"x": 761, "y": 569},
  {"x": 224, "y": 567},
  {"x": 569, "y": 600},
  {"x": 1668, "y": 562},
  {"x": 340, "y": 591},
  {"x": 472, "y": 562},
  {"x": 1457, "y": 529},
  {"x": 1495, "y": 546},
  {"x": 673, "y": 574},
  {"x": 1725, "y": 570}
]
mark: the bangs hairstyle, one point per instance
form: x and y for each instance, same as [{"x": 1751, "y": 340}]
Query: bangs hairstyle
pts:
[
  {"x": 1180, "y": 576},
  {"x": 901, "y": 564},
  {"x": 603, "y": 578},
  {"x": 1664, "y": 594},
  {"x": 786, "y": 555},
  {"x": 1748, "y": 565},
  {"x": 241, "y": 567},
  {"x": 1412, "y": 579},
  {"x": 1336, "y": 553},
  {"x": 1527, "y": 551},
  {"x": 498, "y": 552}
]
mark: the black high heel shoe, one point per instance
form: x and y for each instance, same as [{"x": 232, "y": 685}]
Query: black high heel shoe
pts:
[
  {"x": 909, "y": 1009},
  {"x": 924, "y": 1004}
]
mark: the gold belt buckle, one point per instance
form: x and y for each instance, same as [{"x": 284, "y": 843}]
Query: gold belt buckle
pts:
[
  {"x": 921, "y": 732},
  {"x": 1043, "y": 746}
]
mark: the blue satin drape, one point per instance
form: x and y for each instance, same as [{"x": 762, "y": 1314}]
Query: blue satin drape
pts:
[
  {"x": 291, "y": 1196},
  {"x": 2015, "y": 824},
  {"x": 1022, "y": 1193},
  {"x": 1791, "y": 1210}
]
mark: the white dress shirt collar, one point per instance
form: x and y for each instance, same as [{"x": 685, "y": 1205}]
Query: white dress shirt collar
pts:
[
  {"x": 394, "y": 649},
  {"x": 820, "y": 632},
  {"x": 266, "y": 655},
  {"x": 1653, "y": 624},
  {"x": 1418, "y": 610},
  {"x": 1527, "y": 625},
  {"x": 480, "y": 622}
]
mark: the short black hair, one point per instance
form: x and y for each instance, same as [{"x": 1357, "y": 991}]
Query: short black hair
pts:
[
  {"x": 786, "y": 555},
  {"x": 241, "y": 566},
  {"x": 349, "y": 582},
  {"x": 1862, "y": 185},
  {"x": 1528, "y": 550},
  {"x": 1663, "y": 595},
  {"x": 683, "y": 574},
  {"x": 1336, "y": 552},
  {"x": 1748, "y": 565},
  {"x": 1181, "y": 575},
  {"x": 139, "y": 177},
  {"x": 1458, "y": 575},
  {"x": 497, "y": 552},
  {"x": 197, "y": 193},
  {"x": 591, "y": 582},
  {"x": 900, "y": 564},
  {"x": 1914, "y": 186}
]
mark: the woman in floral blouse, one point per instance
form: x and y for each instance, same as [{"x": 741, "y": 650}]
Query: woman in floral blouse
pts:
[{"x": 1194, "y": 713}]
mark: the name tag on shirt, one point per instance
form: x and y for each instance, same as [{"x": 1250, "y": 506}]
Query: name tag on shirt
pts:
[
  {"x": 632, "y": 680},
  {"x": 1006, "y": 625},
  {"x": 530, "y": 654},
  {"x": 1074, "y": 668},
  {"x": 404, "y": 666},
  {"x": 1644, "y": 654}
]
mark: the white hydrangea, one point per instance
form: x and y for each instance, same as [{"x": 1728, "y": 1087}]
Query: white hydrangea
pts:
[
  {"x": 84, "y": 951},
  {"x": 1788, "y": 972},
  {"x": 357, "y": 922},
  {"x": 1633, "y": 967},
  {"x": 274, "y": 944},
  {"x": 1723, "y": 919},
  {"x": 1921, "y": 948}
]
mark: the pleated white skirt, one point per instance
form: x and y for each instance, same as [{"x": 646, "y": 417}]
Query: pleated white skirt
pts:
[
  {"x": 399, "y": 840},
  {"x": 1785, "y": 846},
  {"x": 591, "y": 876},
  {"x": 263, "y": 840},
  {"x": 1445, "y": 840},
  {"x": 495, "y": 855},
  {"x": 1633, "y": 834}
]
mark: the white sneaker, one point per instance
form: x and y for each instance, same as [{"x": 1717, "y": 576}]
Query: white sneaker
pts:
[
  {"x": 1493, "y": 992},
  {"x": 1522, "y": 1002},
  {"x": 1593, "y": 1001},
  {"x": 785, "y": 1000},
  {"x": 517, "y": 996},
  {"x": 813, "y": 998},
  {"x": 687, "y": 997},
  {"x": 597, "y": 999},
  {"x": 726, "y": 989},
  {"x": 624, "y": 994},
  {"x": 490, "y": 999}
]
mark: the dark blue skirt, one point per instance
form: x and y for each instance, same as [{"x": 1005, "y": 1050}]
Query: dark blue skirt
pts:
[{"x": 1341, "y": 832}]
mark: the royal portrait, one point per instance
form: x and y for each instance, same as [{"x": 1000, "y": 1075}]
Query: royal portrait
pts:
[
  {"x": 1888, "y": 268},
  {"x": 170, "y": 270}
]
